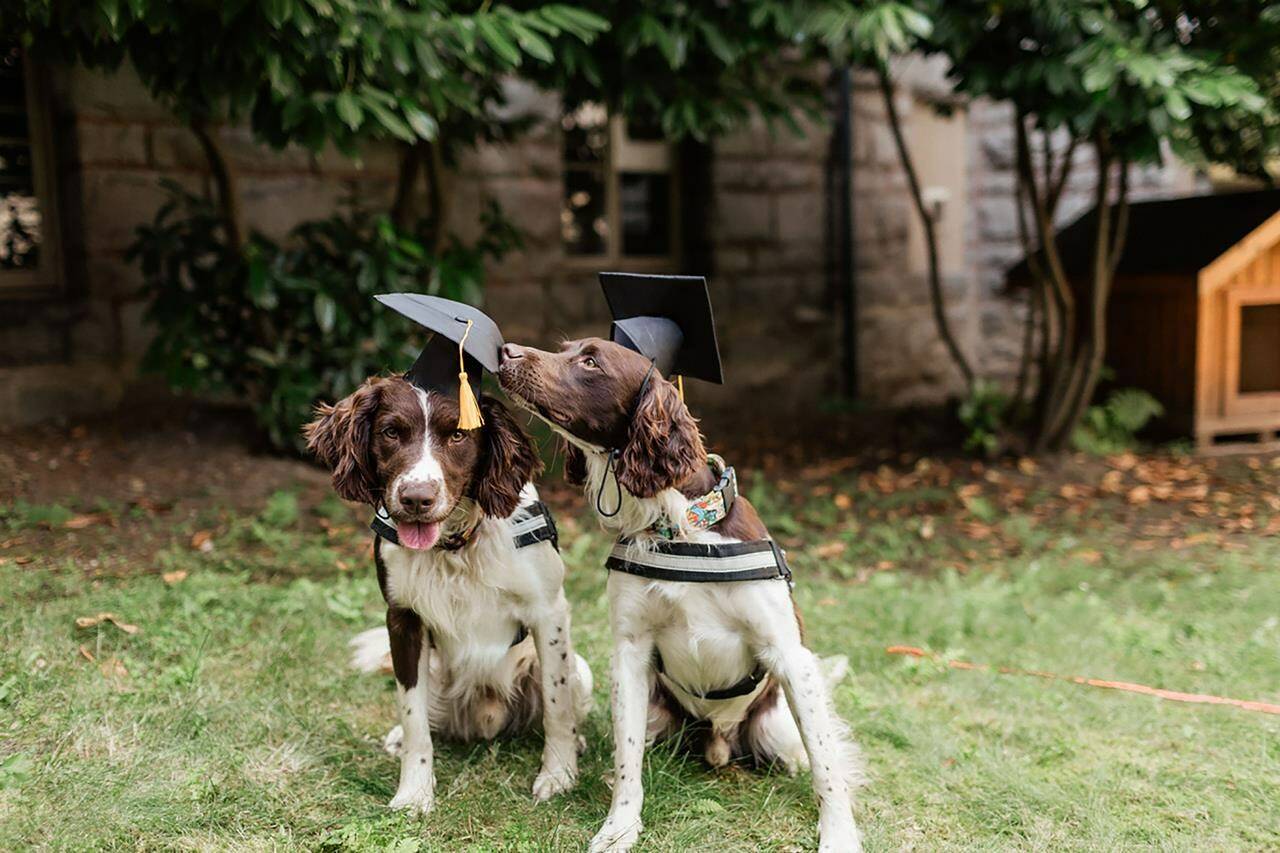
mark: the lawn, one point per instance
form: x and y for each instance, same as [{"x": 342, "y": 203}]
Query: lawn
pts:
[{"x": 228, "y": 720}]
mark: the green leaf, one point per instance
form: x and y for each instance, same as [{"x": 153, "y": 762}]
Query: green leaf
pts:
[
  {"x": 326, "y": 311},
  {"x": 1177, "y": 105},
  {"x": 348, "y": 108},
  {"x": 389, "y": 120},
  {"x": 423, "y": 125},
  {"x": 493, "y": 35}
]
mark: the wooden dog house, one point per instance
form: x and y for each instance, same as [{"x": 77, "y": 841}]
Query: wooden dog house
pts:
[{"x": 1195, "y": 311}]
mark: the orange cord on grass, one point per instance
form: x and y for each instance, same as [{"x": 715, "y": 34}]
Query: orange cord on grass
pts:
[{"x": 1128, "y": 687}]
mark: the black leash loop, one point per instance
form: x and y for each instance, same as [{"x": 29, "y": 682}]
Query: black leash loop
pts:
[
  {"x": 608, "y": 471},
  {"x": 611, "y": 464}
]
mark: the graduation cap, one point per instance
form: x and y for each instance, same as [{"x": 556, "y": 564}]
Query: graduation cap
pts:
[
  {"x": 465, "y": 343},
  {"x": 666, "y": 318}
]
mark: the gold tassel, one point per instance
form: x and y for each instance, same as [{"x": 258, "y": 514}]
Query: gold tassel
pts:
[
  {"x": 469, "y": 416},
  {"x": 680, "y": 386}
]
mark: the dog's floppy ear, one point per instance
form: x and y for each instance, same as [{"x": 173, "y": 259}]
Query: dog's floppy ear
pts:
[
  {"x": 664, "y": 447},
  {"x": 575, "y": 464},
  {"x": 510, "y": 461},
  {"x": 339, "y": 437}
]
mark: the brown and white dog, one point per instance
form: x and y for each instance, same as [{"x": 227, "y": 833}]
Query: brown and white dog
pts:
[
  {"x": 599, "y": 396},
  {"x": 457, "y": 588}
]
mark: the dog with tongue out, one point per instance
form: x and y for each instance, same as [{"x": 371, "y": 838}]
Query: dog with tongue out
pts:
[{"x": 477, "y": 630}]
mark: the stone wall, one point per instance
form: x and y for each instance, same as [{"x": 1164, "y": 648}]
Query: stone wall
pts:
[
  {"x": 77, "y": 350},
  {"x": 767, "y": 250}
]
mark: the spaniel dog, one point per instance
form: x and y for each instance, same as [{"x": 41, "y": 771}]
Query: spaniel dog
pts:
[
  {"x": 477, "y": 625},
  {"x": 630, "y": 435}
]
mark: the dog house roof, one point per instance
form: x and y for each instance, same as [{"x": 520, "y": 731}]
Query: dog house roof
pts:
[{"x": 1178, "y": 235}]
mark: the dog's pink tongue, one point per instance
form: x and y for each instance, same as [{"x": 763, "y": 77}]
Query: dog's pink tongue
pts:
[{"x": 418, "y": 535}]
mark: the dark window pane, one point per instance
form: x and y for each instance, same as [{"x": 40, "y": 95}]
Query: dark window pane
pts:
[
  {"x": 646, "y": 214},
  {"x": 584, "y": 228},
  {"x": 1259, "y": 349},
  {"x": 586, "y": 134},
  {"x": 13, "y": 126},
  {"x": 644, "y": 129},
  {"x": 15, "y": 164},
  {"x": 20, "y": 220}
]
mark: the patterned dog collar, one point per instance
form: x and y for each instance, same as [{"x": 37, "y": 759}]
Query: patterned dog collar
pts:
[{"x": 706, "y": 510}]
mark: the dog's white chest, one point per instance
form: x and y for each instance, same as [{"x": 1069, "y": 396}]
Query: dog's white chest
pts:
[{"x": 471, "y": 613}]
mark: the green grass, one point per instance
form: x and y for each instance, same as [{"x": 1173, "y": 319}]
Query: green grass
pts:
[{"x": 229, "y": 720}]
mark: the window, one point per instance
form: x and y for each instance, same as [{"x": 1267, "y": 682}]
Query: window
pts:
[
  {"x": 28, "y": 251},
  {"x": 619, "y": 201}
]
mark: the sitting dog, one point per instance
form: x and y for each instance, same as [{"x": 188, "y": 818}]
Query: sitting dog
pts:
[
  {"x": 477, "y": 621},
  {"x": 715, "y": 653}
]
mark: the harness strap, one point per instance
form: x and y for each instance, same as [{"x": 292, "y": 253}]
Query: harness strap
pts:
[
  {"x": 521, "y": 633},
  {"x": 698, "y": 562},
  {"x": 746, "y": 685},
  {"x": 533, "y": 524}
]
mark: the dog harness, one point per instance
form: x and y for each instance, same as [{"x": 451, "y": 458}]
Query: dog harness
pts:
[
  {"x": 534, "y": 523},
  {"x": 531, "y": 524},
  {"x": 699, "y": 562}
]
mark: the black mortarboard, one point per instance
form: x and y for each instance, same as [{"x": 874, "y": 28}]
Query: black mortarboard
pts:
[
  {"x": 666, "y": 318},
  {"x": 465, "y": 343}
]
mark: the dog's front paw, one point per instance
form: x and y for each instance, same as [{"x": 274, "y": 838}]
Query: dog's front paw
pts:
[
  {"x": 842, "y": 839},
  {"x": 616, "y": 836},
  {"x": 414, "y": 800},
  {"x": 552, "y": 781}
]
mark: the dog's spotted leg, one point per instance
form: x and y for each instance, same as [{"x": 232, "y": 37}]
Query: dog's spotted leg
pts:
[
  {"x": 824, "y": 738},
  {"x": 410, "y": 658},
  {"x": 632, "y": 676},
  {"x": 559, "y": 667}
]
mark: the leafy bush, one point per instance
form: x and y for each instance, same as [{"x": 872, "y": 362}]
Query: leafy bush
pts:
[
  {"x": 1113, "y": 426},
  {"x": 281, "y": 326},
  {"x": 984, "y": 416}
]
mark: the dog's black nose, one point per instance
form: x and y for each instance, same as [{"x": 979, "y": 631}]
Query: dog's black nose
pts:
[
  {"x": 418, "y": 496},
  {"x": 511, "y": 352}
]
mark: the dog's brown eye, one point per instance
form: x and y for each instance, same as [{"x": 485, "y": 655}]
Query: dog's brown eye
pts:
[
  {"x": 456, "y": 436},
  {"x": 391, "y": 433},
  {"x": 590, "y": 362}
]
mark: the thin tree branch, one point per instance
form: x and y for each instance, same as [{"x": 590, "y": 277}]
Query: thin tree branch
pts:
[
  {"x": 224, "y": 183},
  {"x": 930, "y": 234}
]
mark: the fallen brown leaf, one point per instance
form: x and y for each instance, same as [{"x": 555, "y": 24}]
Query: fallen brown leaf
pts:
[
  {"x": 1139, "y": 495},
  {"x": 87, "y": 655},
  {"x": 24, "y": 560},
  {"x": 80, "y": 522},
  {"x": 830, "y": 549},
  {"x": 202, "y": 540},
  {"x": 175, "y": 576},
  {"x": 843, "y": 501},
  {"x": 90, "y": 621}
]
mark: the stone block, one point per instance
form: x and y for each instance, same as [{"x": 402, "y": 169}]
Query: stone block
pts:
[
  {"x": 136, "y": 333},
  {"x": 772, "y": 174},
  {"x": 29, "y": 395},
  {"x": 997, "y": 219},
  {"x": 95, "y": 336},
  {"x": 801, "y": 219},
  {"x": 275, "y": 205},
  {"x": 533, "y": 204},
  {"x": 754, "y": 140},
  {"x": 523, "y": 158},
  {"x": 109, "y": 143},
  {"x": 380, "y": 159},
  {"x": 247, "y": 155},
  {"x": 743, "y": 216},
  {"x": 120, "y": 95},
  {"x": 111, "y": 277},
  {"x": 115, "y": 203},
  {"x": 174, "y": 147}
]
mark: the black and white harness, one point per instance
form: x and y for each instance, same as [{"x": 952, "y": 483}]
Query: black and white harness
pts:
[
  {"x": 532, "y": 523},
  {"x": 699, "y": 562}
]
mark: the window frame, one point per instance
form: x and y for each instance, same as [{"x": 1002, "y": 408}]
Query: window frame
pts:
[
  {"x": 47, "y": 276},
  {"x": 624, "y": 154}
]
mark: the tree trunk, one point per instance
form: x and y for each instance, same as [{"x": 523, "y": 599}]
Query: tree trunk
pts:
[
  {"x": 228, "y": 197},
  {"x": 402, "y": 206},
  {"x": 930, "y": 236}
]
